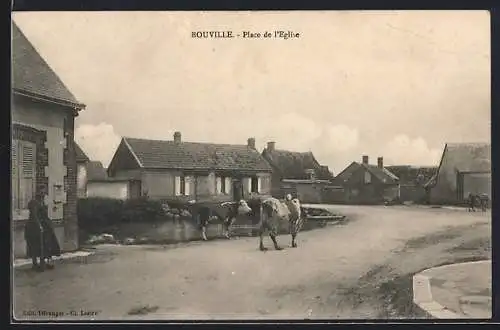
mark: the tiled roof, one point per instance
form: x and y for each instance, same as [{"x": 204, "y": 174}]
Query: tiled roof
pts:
[
  {"x": 80, "y": 154},
  {"x": 95, "y": 171},
  {"x": 346, "y": 173},
  {"x": 293, "y": 165},
  {"x": 32, "y": 75},
  {"x": 194, "y": 155},
  {"x": 383, "y": 174},
  {"x": 469, "y": 157}
]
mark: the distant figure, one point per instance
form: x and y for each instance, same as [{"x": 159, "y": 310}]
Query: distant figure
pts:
[
  {"x": 483, "y": 200},
  {"x": 39, "y": 234},
  {"x": 472, "y": 202}
]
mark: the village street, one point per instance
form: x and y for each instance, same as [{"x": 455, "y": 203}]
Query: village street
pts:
[{"x": 354, "y": 270}]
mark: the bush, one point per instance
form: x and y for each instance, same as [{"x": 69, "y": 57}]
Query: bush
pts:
[
  {"x": 96, "y": 214},
  {"x": 142, "y": 210}
]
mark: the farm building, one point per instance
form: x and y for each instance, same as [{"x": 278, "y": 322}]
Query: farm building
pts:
[
  {"x": 412, "y": 180},
  {"x": 298, "y": 173},
  {"x": 364, "y": 183},
  {"x": 93, "y": 181},
  {"x": 43, "y": 156},
  {"x": 178, "y": 170},
  {"x": 464, "y": 168}
]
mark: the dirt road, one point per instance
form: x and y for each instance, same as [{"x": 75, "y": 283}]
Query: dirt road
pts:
[{"x": 355, "y": 270}]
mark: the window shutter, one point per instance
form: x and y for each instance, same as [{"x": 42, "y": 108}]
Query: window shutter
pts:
[
  {"x": 27, "y": 186},
  {"x": 13, "y": 153},
  {"x": 187, "y": 185},
  {"x": 218, "y": 185},
  {"x": 15, "y": 174},
  {"x": 227, "y": 186},
  {"x": 28, "y": 161},
  {"x": 177, "y": 186},
  {"x": 247, "y": 185}
]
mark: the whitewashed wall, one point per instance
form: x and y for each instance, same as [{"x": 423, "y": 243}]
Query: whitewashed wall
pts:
[{"x": 117, "y": 190}]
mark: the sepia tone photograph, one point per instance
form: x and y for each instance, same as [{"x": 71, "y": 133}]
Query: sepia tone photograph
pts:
[{"x": 250, "y": 165}]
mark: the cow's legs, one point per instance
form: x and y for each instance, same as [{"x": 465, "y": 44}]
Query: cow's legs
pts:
[
  {"x": 262, "y": 230},
  {"x": 275, "y": 242},
  {"x": 204, "y": 232},
  {"x": 203, "y": 226},
  {"x": 261, "y": 242},
  {"x": 293, "y": 232},
  {"x": 227, "y": 225}
]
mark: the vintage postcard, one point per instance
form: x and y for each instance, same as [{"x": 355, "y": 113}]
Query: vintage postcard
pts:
[{"x": 301, "y": 165}]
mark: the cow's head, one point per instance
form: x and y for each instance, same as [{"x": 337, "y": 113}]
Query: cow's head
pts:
[
  {"x": 272, "y": 205},
  {"x": 243, "y": 208}
]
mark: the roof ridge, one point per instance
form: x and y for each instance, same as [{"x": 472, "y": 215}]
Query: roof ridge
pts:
[
  {"x": 292, "y": 151},
  {"x": 186, "y": 142}
]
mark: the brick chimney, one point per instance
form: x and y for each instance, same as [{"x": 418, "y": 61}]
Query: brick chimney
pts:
[
  {"x": 365, "y": 160},
  {"x": 380, "y": 162},
  {"x": 271, "y": 146},
  {"x": 177, "y": 137},
  {"x": 251, "y": 143}
]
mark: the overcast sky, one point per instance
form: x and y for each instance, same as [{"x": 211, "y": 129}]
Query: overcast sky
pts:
[{"x": 392, "y": 84}]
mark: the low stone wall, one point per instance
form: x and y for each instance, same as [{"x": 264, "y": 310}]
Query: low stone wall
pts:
[
  {"x": 169, "y": 232},
  {"x": 163, "y": 232}
]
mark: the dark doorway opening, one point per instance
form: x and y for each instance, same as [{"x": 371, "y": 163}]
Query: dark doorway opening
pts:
[{"x": 237, "y": 190}]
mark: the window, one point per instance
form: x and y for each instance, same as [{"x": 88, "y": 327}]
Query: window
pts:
[
  {"x": 182, "y": 185},
  {"x": 223, "y": 185},
  {"x": 368, "y": 177},
  {"x": 256, "y": 185},
  {"x": 23, "y": 174}
]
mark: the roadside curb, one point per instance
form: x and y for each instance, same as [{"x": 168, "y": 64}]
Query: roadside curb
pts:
[
  {"x": 26, "y": 263},
  {"x": 422, "y": 295}
]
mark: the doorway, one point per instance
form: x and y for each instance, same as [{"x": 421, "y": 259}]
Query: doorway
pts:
[{"x": 237, "y": 190}]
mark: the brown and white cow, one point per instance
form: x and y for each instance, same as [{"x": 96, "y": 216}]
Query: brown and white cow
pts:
[{"x": 274, "y": 212}]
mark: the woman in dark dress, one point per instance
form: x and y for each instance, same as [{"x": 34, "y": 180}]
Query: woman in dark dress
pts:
[{"x": 39, "y": 234}]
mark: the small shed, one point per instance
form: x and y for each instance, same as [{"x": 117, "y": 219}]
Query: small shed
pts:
[{"x": 114, "y": 188}]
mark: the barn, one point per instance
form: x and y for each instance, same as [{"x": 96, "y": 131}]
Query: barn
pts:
[{"x": 464, "y": 168}]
